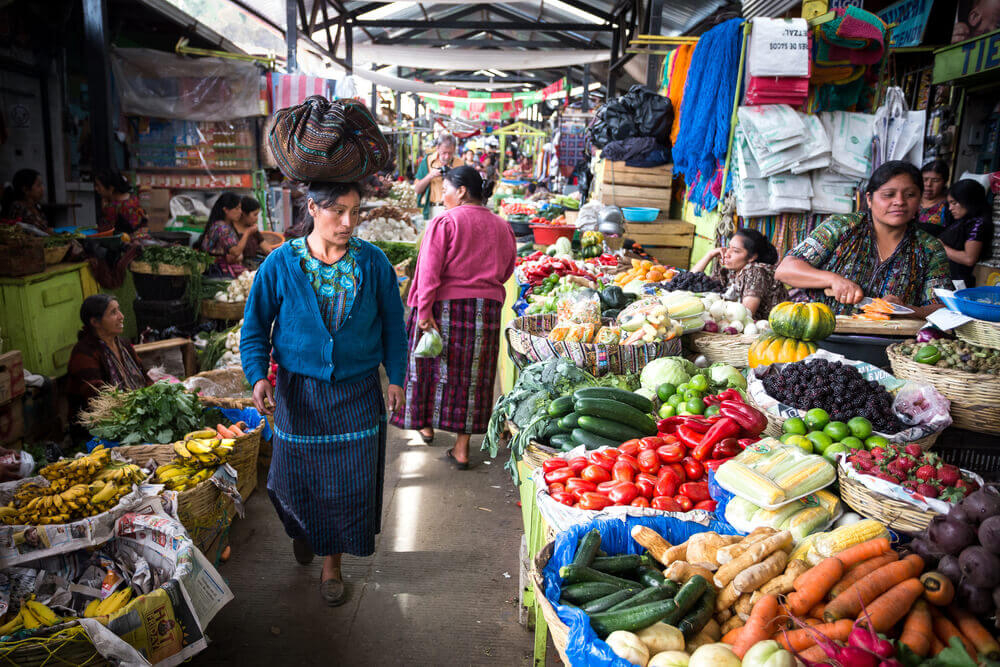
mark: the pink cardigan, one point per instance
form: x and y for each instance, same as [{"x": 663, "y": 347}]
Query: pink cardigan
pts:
[{"x": 467, "y": 253}]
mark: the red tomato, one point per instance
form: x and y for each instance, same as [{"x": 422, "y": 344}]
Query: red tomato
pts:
[
  {"x": 645, "y": 483},
  {"x": 612, "y": 453},
  {"x": 559, "y": 475},
  {"x": 596, "y": 474},
  {"x": 693, "y": 468},
  {"x": 671, "y": 453},
  {"x": 577, "y": 486},
  {"x": 564, "y": 498},
  {"x": 554, "y": 464},
  {"x": 578, "y": 463},
  {"x": 640, "y": 501},
  {"x": 666, "y": 485},
  {"x": 630, "y": 447},
  {"x": 649, "y": 461},
  {"x": 651, "y": 442},
  {"x": 603, "y": 460},
  {"x": 631, "y": 460},
  {"x": 714, "y": 464},
  {"x": 623, "y": 472},
  {"x": 623, "y": 493},
  {"x": 594, "y": 501},
  {"x": 684, "y": 502},
  {"x": 557, "y": 486},
  {"x": 706, "y": 505},
  {"x": 605, "y": 487},
  {"x": 696, "y": 491},
  {"x": 665, "y": 503},
  {"x": 679, "y": 470}
]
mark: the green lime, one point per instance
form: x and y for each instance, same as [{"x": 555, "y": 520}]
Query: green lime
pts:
[
  {"x": 800, "y": 441},
  {"x": 682, "y": 411},
  {"x": 666, "y": 411},
  {"x": 794, "y": 425},
  {"x": 675, "y": 400},
  {"x": 784, "y": 438},
  {"x": 665, "y": 391},
  {"x": 837, "y": 430},
  {"x": 695, "y": 406},
  {"x": 817, "y": 418},
  {"x": 852, "y": 442},
  {"x": 874, "y": 441},
  {"x": 860, "y": 427},
  {"x": 699, "y": 382},
  {"x": 711, "y": 410},
  {"x": 831, "y": 452},
  {"x": 820, "y": 440},
  {"x": 681, "y": 388}
]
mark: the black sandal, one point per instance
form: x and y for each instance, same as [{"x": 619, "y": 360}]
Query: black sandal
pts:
[
  {"x": 427, "y": 439},
  {"x": 460, "y": 465}
]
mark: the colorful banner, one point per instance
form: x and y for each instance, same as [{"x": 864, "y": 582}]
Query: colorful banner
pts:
[{"x": 480, "y": 105}]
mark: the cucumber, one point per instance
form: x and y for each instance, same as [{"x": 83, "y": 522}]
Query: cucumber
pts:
[
  {"x": 650, "y": 576},
  {"x": 561, "y": 406},
  {"x": 568, "y": 446},
  {"x": 608, "y": 428},
  {"x": 586, "y": 548},
  {"x": 572, "y": 574},
  {"x": 551, "y": 428},
  {"x": 687, "y": 597},
  {"x": 586, "y": 591},
  {"x": 605, "y": 603},
  {"x": 640, "y": 403},
  {"x": 631, "y": 619},
  {"x": 616, "y": 411},
  {"x": 570, "y": 421},
  {"x": 619, "y": 564},
  {"x": 559, "y": 440},
  {"x": 699, "y": 615},
  {"x": 655, "y": 594},
  {"x": 592, "y": 440}
]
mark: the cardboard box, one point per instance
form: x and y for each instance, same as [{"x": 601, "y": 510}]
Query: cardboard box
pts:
[
  {"x": 11, "y": 376},
  {"x": 11, "y": 422},
  {"x": 156, "y": 203}
]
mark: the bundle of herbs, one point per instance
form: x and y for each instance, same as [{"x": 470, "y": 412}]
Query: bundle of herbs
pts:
[
  {"x": 157, "y": 414},
  {"x": 193, "y": 260}
]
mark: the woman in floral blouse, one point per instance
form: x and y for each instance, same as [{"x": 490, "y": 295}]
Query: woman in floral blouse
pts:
[
  {"x": 879, "y": 253},
  {"x": 227, "y": 237},
  {"x": 120, "y": 209},
  {"x": 746, "y": 268},
  {"x": 934, "y": 201}
]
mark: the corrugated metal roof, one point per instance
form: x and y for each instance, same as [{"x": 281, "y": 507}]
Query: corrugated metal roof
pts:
[{"x": 771, "y": 8}]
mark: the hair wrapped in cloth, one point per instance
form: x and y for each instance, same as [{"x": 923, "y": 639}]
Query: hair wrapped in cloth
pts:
[{"x": 320, "y": 140}]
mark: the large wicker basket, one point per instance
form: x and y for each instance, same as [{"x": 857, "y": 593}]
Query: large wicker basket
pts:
[
  {"x": 55, "y": 254},
  {"x": 159, "y": 269},
  {"x": 528, "y": 343},
  {"x": 558, "y": 629},
  {"x": 978, "y": 332},
  {"x": 222, "y": 310},
  {"x": 896, "y": 514},
  {"x": 231, "y": 378},
  {"x": 722, "y": 348},
  {"x": 975, "y": 397},
  {"x": 62, "y": 644}
]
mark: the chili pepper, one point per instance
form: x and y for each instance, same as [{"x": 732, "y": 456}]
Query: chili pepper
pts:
[
  {"x": 751, "y": 420},
  {"x": 708, "y": 505},
  {"x": 671, "y": 453},
  {"x": 731, "y": 395},
  {"x": 746, "y": 442},
  {"x": 640, "y": 501},
  {"x": 630, "y": 447},
  {"x": 594, "y": 501},
  {"x": 711, "y": 400},
  {"x": 714, "y": 464},
  {"x": 696, "y": 491},
  {"x": 688, "y": 436},
  {"x": 699, "y": 424},
  {"x": 679, "y": 470},
  {"x": 693, "y": 468},
  {"x": 595, "y": 474},
  {"x": 646, "y": 484},
  {"x": 726, "y": 448},
  {"x": 556, "y": 486},
  {"x": 623, "y": 472},
  {"x": 564, "y": 498},
  {"x": 623, "y": 493},
  {"x": 559, "y": 475},
  {"x": 667, "y": 484},
  {"x": 554, "y": 464},
  {"x": 670, "y": 424},
  {"x": 722, "y": 429},
  {"x": 649, "y": 461},
  {"x": 685, "y": 503},
  {"x": 665, "y": 503},
  {"x": 578, "y": 463}
]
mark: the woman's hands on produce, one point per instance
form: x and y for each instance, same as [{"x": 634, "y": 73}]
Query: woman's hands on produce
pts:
[
  {"x": 428, "y": 324},
  {"x": 263, "y": 397},
  {"x": 395, "y": 399},
  {"x": 845, "y": 291}
]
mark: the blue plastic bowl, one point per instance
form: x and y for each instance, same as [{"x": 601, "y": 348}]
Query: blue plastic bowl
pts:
[
  {"x": 640, "y": 213},
  {"x": 982, "y": 303}
]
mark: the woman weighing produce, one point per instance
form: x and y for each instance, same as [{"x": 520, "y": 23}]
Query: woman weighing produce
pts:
[
  {"x": 970, "y": 235},
  {"x": 880, "y": 253},
  {"x": 746, "y": 268}
]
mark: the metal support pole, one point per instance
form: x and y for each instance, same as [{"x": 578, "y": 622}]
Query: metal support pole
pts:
[
  {"x": 349, "y": 46},
  {"x": 292, "y": 35},
  {"x": 586, "y": 88},
  {"x": 655, "y": 25},
  {"x": 95, "y": 32},
  {"x": 374, "y": 106},
  {"x": 615, "y": 48}
]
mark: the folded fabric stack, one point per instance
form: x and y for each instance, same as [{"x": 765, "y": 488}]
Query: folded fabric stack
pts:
[{"x": 778, "y": 64}]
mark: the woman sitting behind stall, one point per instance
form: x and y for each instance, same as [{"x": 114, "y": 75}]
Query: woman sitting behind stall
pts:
[
  {"x": 746, "y": 268},
  {"x": 101, "y": 357},
  {"x": 227, "y": 237},
  {"x": 970, "y": 235},
  {"x": 251, "y": 213},
  {"x": 22, "y": 200},
  {"x": 934, "y": 199},
  {"x": 120, "y": 209},
  {"x": 878, "y": 253}
]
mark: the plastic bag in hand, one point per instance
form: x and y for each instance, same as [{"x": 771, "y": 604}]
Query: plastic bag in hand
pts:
[
  {"x": 429, "y": 345},
  {"x": 922, "y": 404}
]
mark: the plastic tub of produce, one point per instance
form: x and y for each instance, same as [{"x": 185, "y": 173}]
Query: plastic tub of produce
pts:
[
  {"x": 982, "y": 303},
  {"x": 549, "y": 234},
  {"x": 640, "y": 213},
  {"x": 869, "y": 349}
]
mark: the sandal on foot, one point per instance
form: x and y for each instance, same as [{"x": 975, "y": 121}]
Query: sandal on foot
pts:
[
  {"x": 460, "y": 465},
  {"x": 334, "y": 592},
  {"x": 303, "y": 552},
  {"x": 428, "y": 439}
]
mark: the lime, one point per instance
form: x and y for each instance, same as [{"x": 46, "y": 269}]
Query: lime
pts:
[
  {"x": 675, "y": 400},
  {"x": 831, "y": 452},
  {"x": 820, "y": 440},
  {"x": 693, "y": 393},
  {"x": 784, "y": 438},
  {"x": 681, "y": 388},
  {"x": 666, "y": 411},
  {"x": 695, "y": 406},
  {"x": 682, "y": 411},
  {"x": 665, "y": 391},
  {"x": 794, "y": 425},
  {"x": 860, "y": 427},
  {"x": 711, "y": 410},
  {"x": 816, "y": 419},
  {"x": 699, "y": 382},
  {"x": 852, "y": 442},
  {"x": 800, "y": 441},
  {"x": 837, "y": 430},
  {"x": 871, "y": 442}
]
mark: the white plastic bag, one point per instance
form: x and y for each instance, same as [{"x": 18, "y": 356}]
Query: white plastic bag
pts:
[
  {"x": 429, "y": 345},
  {"x": 778, "y": 47},
  {"x": 922, "y": 404}
]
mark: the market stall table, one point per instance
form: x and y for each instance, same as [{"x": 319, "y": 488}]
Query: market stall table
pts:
[{"x": 866, "y": 340}]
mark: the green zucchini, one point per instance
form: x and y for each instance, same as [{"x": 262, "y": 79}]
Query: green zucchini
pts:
[
  {"x": 687, "y": 597},
  {"x": 586, "y": 591},
  {"x": 619, "y": 564},
  {"x": 592, "y": 440},
  {"x": 699, "y": 615},
  {"x": 609, "y": 428},
  {"x": 640, "y": 403},
  {"x": 655, "y": 594},
  {"x": 568, "y": 446},
  {"x": 560, "y": 439},
  {"x": 650, "y": 576},
  {"x": 631, "y": 619},
  {"x": 572, "y": 574},
  {"x": 605, "y": 603},
  {"x": 622, "y": 413},
  {"x": 570, "y": 421},
  {"x": 586, "y": 548},
  {"x": 561, "y": 406}
]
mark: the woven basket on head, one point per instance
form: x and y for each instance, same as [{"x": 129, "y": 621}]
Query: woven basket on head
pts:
[
  {"x": 723, "y": 348},
  {"x": 558, "y": 629},
  {"x": 979, "y": 332},
  {"x": 897, "y": 515},
  {"x": 975, "y": 397},
  {"x": 222, "y": 310}
]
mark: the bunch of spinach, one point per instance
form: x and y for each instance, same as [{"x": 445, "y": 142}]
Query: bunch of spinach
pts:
[
  {"x": 195, "y": 261},
  {"x": 157, "y": 414}
]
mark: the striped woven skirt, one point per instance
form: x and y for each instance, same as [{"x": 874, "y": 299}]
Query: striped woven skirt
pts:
[
  {"x": 454, "y": 391},
  {"x": 328, "y": 463}
]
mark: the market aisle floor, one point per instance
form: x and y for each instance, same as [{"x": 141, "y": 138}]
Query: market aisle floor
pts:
[{"x": 441, "y": 589}]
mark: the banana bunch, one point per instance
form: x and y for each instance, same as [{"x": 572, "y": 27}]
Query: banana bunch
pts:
[
  {"x": 202, "y": 449},
  {"x": 108, "y": 605},
  {"x": 181, "y": 476},
  {"x": 32, "y": 615}
]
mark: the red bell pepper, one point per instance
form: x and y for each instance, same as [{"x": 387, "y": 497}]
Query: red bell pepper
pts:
[
  {"x": 554, "y": 464},
  {"x": 559, "y": 475},
  {"x": 646, "y": 484},
  {"x": 578, "y": 463},
  {"x": 685, "y": 503},
  {"x": 751, "y": 420},
  {"x": 693, "y": 468},
  {"x": 678, "y": 469},
  {"x": 696, "y": 491},
  {"x": 665, "y": 503},
  {"x": 605, "y": 487},
  {"x": 652, "y": 442},
  {"x": 556, "y": 486},
  {"x": 731, "y": 395},
  {"x": 726, "y": 448},
  {"x": 640, "y": 501},
  {"x": 670, "y": 424},
  {"x": 595, "y": 474},
  {"x": 649, "y": 461},
  {"x": 623, "y": 472},
  {"x": 666, "y": 484},
  {"x": 564, "y": 498},
  {"x": 746, "y": 442},
  {"x": 630, "y": 447},
  {"x": 578, "y": 487},
  {"x": 722, "y": 429},
  {"x": 713, "y": 464},
  {"x": 594, "y": 501},
  {"x": 698, "y": 423},
  {"x": 671, "y": 453},
  {"x": 708, "y": 505},
  {"x": 688, "y": 436},
  {"x": 623, "y": 493}
]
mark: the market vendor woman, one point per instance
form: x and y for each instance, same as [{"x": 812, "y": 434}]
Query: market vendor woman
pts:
[
  {"x": 746, "y": 269},
  {"x": 329, "y": 305},
  {"x": 879, "y": 253}
]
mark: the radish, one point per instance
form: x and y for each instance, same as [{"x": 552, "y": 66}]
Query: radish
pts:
[{"x": 863, "y": 637}]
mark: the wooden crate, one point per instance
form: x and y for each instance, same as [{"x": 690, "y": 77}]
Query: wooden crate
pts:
[
  {"x": 621, "y": 185},
  {"x": 618, "y": 173},
  {"x": 669, "y": 241}
]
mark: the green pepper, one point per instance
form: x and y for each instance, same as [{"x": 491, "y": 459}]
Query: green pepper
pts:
[{"x": 929, "y": 354}]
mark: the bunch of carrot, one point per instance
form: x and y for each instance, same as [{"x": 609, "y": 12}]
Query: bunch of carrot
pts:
[
  {"x": 878, "y": 309},
  {"x": 228, "y": 432}
]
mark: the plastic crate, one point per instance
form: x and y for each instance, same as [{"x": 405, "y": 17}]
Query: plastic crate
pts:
[
  {"x": 151, "y": 287},
  {"x": 973, "y": 451}
]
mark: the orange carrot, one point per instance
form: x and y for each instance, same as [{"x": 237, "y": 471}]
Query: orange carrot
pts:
[
  {"x": 889, "y": 608},
  {"x": 918, "y": 631},
  {"x": 236, "y": 431},
  {"x": 224, "y": 432},
  {"x": 945, "y": 630},
  {"x": 986, "y": 645},
  {"x": 862, "y": 570},
  {"x": 848, "y": 604},
  {"x": 812, "y": 585},
  {"x": 732, "y": 636},
  {"x": 796, "y": 640},
  {"x": 756, "y": 628},
  {"x": 814, "y": 654},
  {"x": 936, "y": 645},
  {"x": 860, "y": 552},
  {"x": 817, "y": 610}
]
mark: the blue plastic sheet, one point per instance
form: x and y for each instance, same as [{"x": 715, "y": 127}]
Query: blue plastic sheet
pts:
[
  {"x": 584, "y": 647},
  {"x": 720, "y": 496}
]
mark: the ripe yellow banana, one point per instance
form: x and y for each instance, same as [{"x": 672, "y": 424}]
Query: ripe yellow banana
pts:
[
  {"x": 90, "y": 610},
  {"x": 104, "y": 494},
  {"x": 114, "y": 602},
  {"x": 12, "y": 625},
  {"x": 201, "y": 446},
  {"x": 30, "y": 620},
  {"x": 181, "y": 450},
  {"x": 205, "y": 433},
  {"x": 42, "y": 612}
]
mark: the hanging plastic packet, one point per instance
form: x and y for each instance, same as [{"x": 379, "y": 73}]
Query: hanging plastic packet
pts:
[{"x": 429, "y": 345}]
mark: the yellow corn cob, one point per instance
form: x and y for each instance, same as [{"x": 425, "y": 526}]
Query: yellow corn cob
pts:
[
  {"x": 811, "y": 473},
  {"x": 828, "y": 501},
  {"x": 832, "y": 543},
  {"x": 776, "y": 517},
  {"x": 805, "y": 521},
  {"x": 750, "y": 483},
  {"x": 801, "y": 550}
]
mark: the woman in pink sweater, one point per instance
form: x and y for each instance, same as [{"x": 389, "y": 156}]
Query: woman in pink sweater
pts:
[{"x": 466, "y": 256}]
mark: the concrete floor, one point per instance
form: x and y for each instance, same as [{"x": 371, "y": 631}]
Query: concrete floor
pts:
[{"x": 441, "y": 588}]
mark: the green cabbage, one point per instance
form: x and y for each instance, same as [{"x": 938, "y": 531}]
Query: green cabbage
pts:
[
  {"x": 666, "y": 369},
  {"x": 723, "y": 376}
]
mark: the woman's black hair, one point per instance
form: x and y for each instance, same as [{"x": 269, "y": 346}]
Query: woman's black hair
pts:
[
  {"x": 23, "y": 179},
  {"x": 325, "y": 194},
  {"x": 972, "y": 196},
  {"x": 227, "y": 200},
  {"x": 113, "y": 179},
  {"x": 889, "y": 171},
  {"x": 757, "y": 244},
  {"x": 249, "y": 205},
  {"x": 939, "y": 167},
  {"x": 477, "y": 188},
  {"x": 94, "y": 307}
]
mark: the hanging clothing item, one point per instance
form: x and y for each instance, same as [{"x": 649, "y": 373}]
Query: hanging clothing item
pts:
[
  {"x": 855, "y": 36},
  {"x": 637, "y": 152},
  {"x": 680, "y": 62}
]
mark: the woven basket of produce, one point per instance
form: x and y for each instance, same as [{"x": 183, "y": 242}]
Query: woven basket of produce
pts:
[
  {"x": 723, "y": 348},
  {"x": 896, "y": 514},
  {"x": 222, "y": 310},
  {"x": 159, "y": 269},
  {"x": 230, "y": 381},
  {"x": 63, "y": 644},
  {"x": 528, "y": 342},
  {"x": 974, "y": 396},
  {"x": 55, "y": 254},
  {"x": 558, "y": 629},
  {"x": 979, "y": 332}
]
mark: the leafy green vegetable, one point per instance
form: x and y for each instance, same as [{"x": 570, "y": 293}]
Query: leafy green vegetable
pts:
[
  {"x": 723, "y": 376},
  {"x": 397, "y": 251},
  {"x": 673, "y": 370},
  {"x": 179, "y": 255},
  {"x": 159, "y": 413}
]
